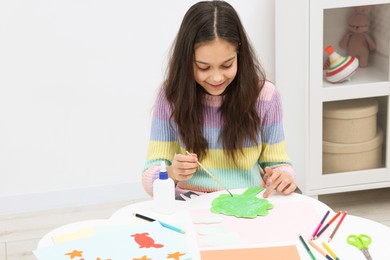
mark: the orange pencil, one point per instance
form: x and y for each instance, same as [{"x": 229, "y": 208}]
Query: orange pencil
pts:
[
  {"x": 337, "y": 227},
  {"x": 327, "y": 225},
  {"x": 319, "y": 250}
]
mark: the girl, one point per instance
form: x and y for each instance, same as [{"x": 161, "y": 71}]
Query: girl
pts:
[{"x": 217, "y": 104}]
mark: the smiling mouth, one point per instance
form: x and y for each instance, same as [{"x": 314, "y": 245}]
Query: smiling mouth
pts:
[{"x": 216, "y": 86}]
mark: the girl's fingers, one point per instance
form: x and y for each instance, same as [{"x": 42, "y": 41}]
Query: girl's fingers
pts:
[
  {"x": 270, "y": 188},
  {"x": 290, "y": 189},
  {"x": 266, "y": 176},
  {"x": 279, "y": 181},
  {"x": 282, "y": 185},
  {"x": 184, "y": 166}
]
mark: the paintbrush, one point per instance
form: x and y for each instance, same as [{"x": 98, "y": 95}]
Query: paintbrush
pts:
[{"x": 211, "y": 175}]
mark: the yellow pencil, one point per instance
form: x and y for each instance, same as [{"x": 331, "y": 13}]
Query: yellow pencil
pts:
[{"x": 327, "y": 248}]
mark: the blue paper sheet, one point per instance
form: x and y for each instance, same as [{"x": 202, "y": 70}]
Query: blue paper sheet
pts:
[{"x": 147, "y": 241}]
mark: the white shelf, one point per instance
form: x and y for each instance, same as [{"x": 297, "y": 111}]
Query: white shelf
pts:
[
  {"x": 354, "y": 90},
  {"x": 304, "y": 90},
  {"x": 352, "y": 178},
  {"x": 365, "y": 76}
]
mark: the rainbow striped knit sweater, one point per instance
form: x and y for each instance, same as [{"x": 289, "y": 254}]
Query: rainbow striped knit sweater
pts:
[{"x": 270, "y": 150}]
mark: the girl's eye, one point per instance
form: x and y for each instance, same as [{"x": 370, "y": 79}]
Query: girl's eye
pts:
[
  {"x": 227, "y": 66},
  {"x": 203, "y": 69}
]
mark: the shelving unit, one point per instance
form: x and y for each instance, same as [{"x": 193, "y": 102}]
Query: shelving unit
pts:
[{"x": 303, "y": 30}]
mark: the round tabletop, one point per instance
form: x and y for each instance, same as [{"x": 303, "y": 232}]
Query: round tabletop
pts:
[{"x": 303, "y": 211}]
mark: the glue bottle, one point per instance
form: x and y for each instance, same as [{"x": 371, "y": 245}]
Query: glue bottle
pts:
[{"x": 163, "y": 192}]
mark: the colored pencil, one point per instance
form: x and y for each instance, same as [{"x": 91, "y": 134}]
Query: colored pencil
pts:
[
  {"x": 337, "y": 227},
  {"x": 319, "y": 250},
  {"x": 161, "y": 223},
  {"x": 212, "y": 176},
  {"x": 320, "y": 224},
  {"x": 327, "y": 224},
  {"x": 327, "y": 248},
  {"x": 307, "y": 248}
]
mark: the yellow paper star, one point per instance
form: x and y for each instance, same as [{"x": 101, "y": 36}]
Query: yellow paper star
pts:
[
  {"x": 74, "y": 254},
  {"x": 142, "y": 258},
  {"x": 175, "y": 255}
]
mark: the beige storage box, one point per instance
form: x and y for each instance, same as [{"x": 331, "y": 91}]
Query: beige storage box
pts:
[
  {"x": 350, "y": 121},
  {"x": 338, "y": 157}
]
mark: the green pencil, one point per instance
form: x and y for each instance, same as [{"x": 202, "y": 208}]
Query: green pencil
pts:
[{"x": 307, "y": 248}]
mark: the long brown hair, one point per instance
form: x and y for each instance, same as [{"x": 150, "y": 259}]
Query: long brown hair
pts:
[{"x": 203, "y": 22}]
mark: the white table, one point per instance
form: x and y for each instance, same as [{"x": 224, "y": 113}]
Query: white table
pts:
[{"x": 379, "y": 249}]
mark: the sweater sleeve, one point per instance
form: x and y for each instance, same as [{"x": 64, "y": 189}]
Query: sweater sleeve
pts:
[
  {"x": 274, "y": 153},
  {"x": 163, "y": 143}
]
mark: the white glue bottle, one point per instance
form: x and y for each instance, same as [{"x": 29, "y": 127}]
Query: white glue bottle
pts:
[{"x": 163, "y": 192}]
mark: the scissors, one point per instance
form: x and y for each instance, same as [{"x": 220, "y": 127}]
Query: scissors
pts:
[{"x": 362, "y": 242}]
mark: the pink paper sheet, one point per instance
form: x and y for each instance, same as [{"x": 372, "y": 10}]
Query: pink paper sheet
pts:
[{"x": 283, "y": 223}]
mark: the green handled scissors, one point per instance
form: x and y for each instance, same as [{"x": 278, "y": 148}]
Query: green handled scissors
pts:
[{"x": 362, "y": 242}]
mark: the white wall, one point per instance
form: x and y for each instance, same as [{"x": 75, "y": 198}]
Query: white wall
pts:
[{"x": 77, "y": 84}]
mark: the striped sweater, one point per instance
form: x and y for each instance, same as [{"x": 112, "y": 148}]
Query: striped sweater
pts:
[{"x": 270, "y": 150}]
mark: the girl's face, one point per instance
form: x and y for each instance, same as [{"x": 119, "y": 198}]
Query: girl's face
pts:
[{"x": 215, "y": 65}]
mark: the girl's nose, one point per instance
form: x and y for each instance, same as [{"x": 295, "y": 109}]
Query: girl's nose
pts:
[{"x": 217, "y": 76}]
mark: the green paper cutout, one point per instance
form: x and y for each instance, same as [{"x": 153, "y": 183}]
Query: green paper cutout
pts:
[{"x": 246, "y": 205}]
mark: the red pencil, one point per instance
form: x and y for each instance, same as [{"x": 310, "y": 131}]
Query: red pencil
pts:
[
  {"x": 319, "y": 225},
  {"x": 337, "y": 227},
  {"x": 327, "y": 225}
]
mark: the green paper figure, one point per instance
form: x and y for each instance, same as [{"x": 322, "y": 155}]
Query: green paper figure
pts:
[{"x": 246, "y": 205}]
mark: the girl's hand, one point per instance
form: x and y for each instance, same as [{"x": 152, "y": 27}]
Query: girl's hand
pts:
[
  {"x": 183, "y": 167},
  {"x": 280, "y": 181}
]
